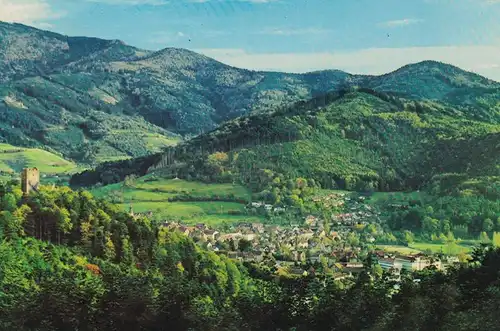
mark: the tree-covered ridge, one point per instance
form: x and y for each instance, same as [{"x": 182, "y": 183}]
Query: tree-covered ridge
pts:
[
  {"x": 78, "y": 95},
  {"x": 113, "y": 272},
  {"x": 95, "y": 268},
  {"x": 26, "y": 52},
  {"x": 465, "y": 207},
  {"x": 354, "y": 140},
  {"x": 70, "y": 115}
]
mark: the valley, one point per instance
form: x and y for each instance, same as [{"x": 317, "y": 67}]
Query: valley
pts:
[
  {"x": 227, "y": 209},
  {"x": 418, "y": 169},
  {"x": 173, "y": 190}
]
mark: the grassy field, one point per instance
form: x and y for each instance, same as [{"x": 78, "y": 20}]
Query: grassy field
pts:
[
  {"x": 210, "y": 213},
  {"x": 147, "y": 194},
  {"x": 421, "y": 247},
  {"x": 398, "y": 249},
  {"x": 148, "y": 189},
  {"x": 14, "y": 159},
  {"x": 437, "y": 248}
]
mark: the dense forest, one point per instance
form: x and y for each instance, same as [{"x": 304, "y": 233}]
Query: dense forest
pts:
[
  {"x": 467, "y": 207},
  {"x": 358, "y": 139},
  {"x": 71, "y": 262}
]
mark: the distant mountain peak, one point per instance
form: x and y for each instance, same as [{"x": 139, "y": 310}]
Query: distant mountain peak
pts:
[
  {"x": 423, "y": 68},
  {"x": 428, "y": 80},
  {"x": 172, "y": 52},
  {"x": 177, "y": 89}
]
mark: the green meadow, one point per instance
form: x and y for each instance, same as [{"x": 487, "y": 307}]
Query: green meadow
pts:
[
  {"x": 398, "y": 249},
  {"x": 14, "y": 159},
  {"x": 419, "y": 247},
  {"x": 438, "y": 248},
  {"x": 148, "y": 194}
]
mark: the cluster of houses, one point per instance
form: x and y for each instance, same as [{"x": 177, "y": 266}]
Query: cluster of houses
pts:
[
  {"x": 412, "y": 262},
  {"x": 290, "y": 246},
  {"x": 260, "y": 238},
  {"x": 305, "y": 245},
  {"x": 295, "y": 246},
  {"x": 355, "y": 210},
  {"x": 269, "y": 242},
  {"x": 357, "y": 215},
  {"x": 332, "y": 200},
  {"x": 266, "y": 207}
]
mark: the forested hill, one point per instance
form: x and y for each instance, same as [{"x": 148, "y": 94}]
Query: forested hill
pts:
[
  {"x": 95, "y": 100},
  {"x": 71, "y": 262},
  {"x": 356, "y": 140}
]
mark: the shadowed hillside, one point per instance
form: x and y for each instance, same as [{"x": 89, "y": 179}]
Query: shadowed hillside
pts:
[
  {"x": 355, "y": 140},
  {"x": 90, "y": 99}
]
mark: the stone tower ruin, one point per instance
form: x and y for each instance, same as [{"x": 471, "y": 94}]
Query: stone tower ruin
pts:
[{"x": 30, "y": 180}]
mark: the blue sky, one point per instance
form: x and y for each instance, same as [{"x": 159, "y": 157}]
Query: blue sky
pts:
[{"x": 359, "y": 36}]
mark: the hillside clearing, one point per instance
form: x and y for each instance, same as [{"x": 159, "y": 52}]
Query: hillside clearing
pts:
[
  {"x": 150, "y": 194},
  {"x": 14, "y": 159}
]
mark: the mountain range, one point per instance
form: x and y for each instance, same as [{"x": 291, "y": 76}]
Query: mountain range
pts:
[{"x": 94, "y": 100}]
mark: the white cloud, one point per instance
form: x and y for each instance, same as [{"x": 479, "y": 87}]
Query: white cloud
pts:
[
  {"x": 132, "y": 2},
  {"x": 470, "y": 2},
  {"x": 43, "y": 25},
  {"x": 165, "y": 38},
  {"x": 250, "y": 1},
  {"x": 483, "y": 60},
  {"x": 402, "y": 22},
  {"x": 294, "y": 32},
  {"x": 33, "y": 12},
  {"x": 166, "y": 2},
  {"x": 259, "y": 1}
]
